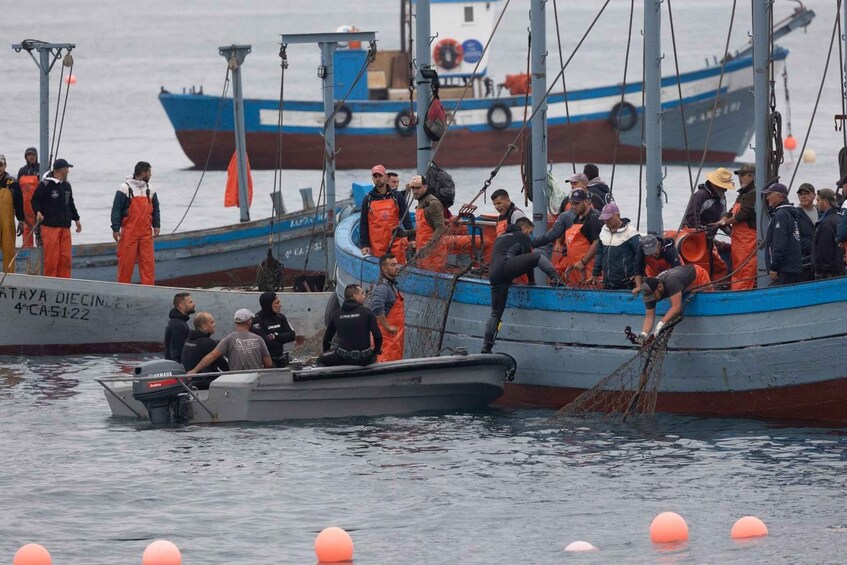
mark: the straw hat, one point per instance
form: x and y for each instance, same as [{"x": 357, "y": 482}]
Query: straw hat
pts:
[{"x": 721, "y": 178}]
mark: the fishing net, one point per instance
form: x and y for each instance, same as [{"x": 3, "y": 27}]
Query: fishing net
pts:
[
  {"x": 630, "y": 390},
  {"x": 307, "y": 352}
]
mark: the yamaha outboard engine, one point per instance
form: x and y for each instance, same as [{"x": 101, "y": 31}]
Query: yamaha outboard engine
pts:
[{"x": 165, "y": 399}]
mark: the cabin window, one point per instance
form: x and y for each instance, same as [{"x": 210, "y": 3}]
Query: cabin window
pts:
[{"x": 468, "y": 14}]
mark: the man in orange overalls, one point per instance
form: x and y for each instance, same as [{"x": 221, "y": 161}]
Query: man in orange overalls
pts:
[
  {"x": 431, "y": 251},
  {"x": 53, "y": 204},
  {"x": 135, "y": 222},
  {"x": 28, "y": 181},
  {"x": 742, "y": 218},
  {"x": 11, "y": 207},
  {"x": 382, "y": 211},
  {"x": 580, "y": 239},
  {"x": 387, "y": 305}
]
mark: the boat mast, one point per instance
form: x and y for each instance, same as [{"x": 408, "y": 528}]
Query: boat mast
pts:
[
  {"x": 424, "y": 86},
  {"x": 235, "y": 55},
  {"x": 538, "y": 125},
  {"x": 761, "y": 89},
  {"x": 48, "y": 54},
  {"x": 653, "y": 113}
]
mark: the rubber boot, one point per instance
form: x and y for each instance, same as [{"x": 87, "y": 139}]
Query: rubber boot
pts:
[{"x": 490, "y": 333}]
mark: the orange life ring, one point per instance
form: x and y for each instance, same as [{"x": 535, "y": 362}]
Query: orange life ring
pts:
[{"x": 447, "y": 54}]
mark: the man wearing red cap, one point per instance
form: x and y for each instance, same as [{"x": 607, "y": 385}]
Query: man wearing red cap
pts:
[{"x": 382, "y": 211}]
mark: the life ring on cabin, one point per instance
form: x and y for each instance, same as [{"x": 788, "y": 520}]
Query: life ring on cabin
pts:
[
  {"x": 623, "y": 116},
  {"x": 343, "y": 116},
  {"x": 447, "y": 54},
  {"x": 404, "y": 123},
  {"x": 499, "y": 116}
]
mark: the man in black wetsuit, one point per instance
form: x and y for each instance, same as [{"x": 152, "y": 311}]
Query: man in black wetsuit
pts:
[
  {"x": 511, "y": 257},
  {"x": 272, "y": 325},
  {"x": 355, "y": 324},
  {"x": 176, "y": 331},
  {"x": 199, "y": 344}
]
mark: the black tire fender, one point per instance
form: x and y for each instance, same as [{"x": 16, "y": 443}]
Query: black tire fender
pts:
[{"x": 507, "y": 112}]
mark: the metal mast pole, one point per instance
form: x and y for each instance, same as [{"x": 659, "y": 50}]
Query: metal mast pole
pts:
[
  {"x": 48, "y": 54},
  {"x": 538, "y": 68},
  {"x": 424, "y": 87},
  {"x": 653, "y": 113},
  {"x": 236, "y": 54},
  {"x": 761, "y": 112}
]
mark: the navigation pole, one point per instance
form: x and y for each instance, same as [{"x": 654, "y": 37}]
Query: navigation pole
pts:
[
  {"x": 653, "y": 113},
  {"x": 235, "y": 55},
  {"x": 423, "y": 90}
]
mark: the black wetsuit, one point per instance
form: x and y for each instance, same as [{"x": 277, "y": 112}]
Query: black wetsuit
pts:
[
  {"x": 511, "y": 257},
  {"x": 354, "y": 324},
  {"x": 273, "y": 328},
  {"x": 175, "y": 335},
  {"x": 198, "y": 345}
]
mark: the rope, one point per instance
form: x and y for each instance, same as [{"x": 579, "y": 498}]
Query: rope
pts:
[
  {"x": 58, "y": 131},
  {"x": 565, "y": 87},
  {"x": 641, "y": 155},
  {"x": 681, "y": 105},
  {"x": 717, "y": 93},
  {"x": 623, "y": 94},
  {"x": 843, "y": 87},
  {"x": 278, "y": 188},
  {"x": 820, "y": 91},
  {"x": 211, "y": 147}
]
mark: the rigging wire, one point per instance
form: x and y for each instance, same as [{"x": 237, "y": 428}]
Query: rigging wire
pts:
[
  {"x": 283, "y": 56},
  {"x": 371, "y": 56},
  {"x": 641, "y": 146},
  {"x": 565, "y": 87},
  {"x": 623, "y": 94},
  {"x": 211, "y": 148},
  {"x": 67, "y": 61},
  {"x": 843, "y": 81},
  {"x": 820, "y": 91},
  {"x": 681, "y": 105}
]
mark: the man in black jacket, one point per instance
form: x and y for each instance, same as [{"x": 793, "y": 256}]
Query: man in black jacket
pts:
[
  {"x": 806, "y": 221},
  {"x": 783, "y": 253},
  {"x": 273, "y": 327},
  {"x": 53, "y": 204},
  {"x": 827, "y": 256},
  {"x": 355, "y": 324},
  {"x": 512, "y": 257},
  {"x": 177, "y": 330},
  {"x": 199, "y": 344}
]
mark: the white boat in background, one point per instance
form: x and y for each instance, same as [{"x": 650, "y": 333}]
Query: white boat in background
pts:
[{"x": 51, "y": 316}]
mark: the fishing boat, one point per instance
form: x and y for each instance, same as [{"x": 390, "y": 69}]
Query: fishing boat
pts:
[
  {"x": 158, "y": 393},
  {"x": 51, "y": 316},
  {"x": 596, "y": 125}
]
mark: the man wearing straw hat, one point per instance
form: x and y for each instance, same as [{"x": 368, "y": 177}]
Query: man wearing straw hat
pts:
[{"x": 705, "y": 209}]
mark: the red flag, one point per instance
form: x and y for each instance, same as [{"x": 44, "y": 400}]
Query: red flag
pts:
[{"x": 231, "y": 194}]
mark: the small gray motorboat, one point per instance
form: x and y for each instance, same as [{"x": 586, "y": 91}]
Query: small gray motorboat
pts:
[{"x": 159, "y": 391}]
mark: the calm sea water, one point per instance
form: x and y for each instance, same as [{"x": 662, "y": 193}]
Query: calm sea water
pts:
[{"x": 498, "y": 486}]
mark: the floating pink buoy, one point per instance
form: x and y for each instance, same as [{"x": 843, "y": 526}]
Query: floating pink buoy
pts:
[
  {"x": 161, "y": 552},
  {"x": 580, "y": 546},
  {"x": 70, "y": 79},
  {"x": 333, "y": 545},
  {"x": 668, "y": 527},
  {"x": 748, "y": 527},
  {"x": 32, "y": 554}
]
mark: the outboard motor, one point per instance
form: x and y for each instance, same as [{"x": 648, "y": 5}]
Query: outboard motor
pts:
[{"x": 165, "y": 399}]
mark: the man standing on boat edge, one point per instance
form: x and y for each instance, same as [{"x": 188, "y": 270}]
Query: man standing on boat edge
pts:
[
  {"x": 388, "y": 307},
  {"x": 382, "y": 211},
  {"x": 135, "y": 222},
  {"x": 53, "y": 204}
]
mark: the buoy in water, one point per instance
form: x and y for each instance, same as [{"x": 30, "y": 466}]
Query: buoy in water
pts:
[
  {"x": 790, "y": 143},
  {"x": 580, "y": 546},
  {"x": 32, "y": 554},
  {"x": 161, "y": 552},
  {"x": 333, "y": 545},
  {"x": 70, "y": 79},
  {"x": 809, "y": 156},
  {"x": 668, "y": 527},
  {"x": 748, "y": 527}
]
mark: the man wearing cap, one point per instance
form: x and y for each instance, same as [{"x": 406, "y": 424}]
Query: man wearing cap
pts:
[
  {"x": 827, "y": 256},
  {"x": 11, "y": 207},
  {"x": 783, "y": 254},
  {"x": 28, "y": 181},
  {"x": 669, "y": 284},
  {"x": 807, "y": 221},
  {"x": 430, "y": 250},
  {"x": 135, "y": 222},
  {"x": 580, "y": 239},
  {"x": 53, "y": 204},
  {"x": 742, "y": 221},
  {"x": 243, "y": 349},
  {"x": 597, "y": 188},
  {"x": 616, "y": 250},
  {"x": 576, "y": 180},
  {"x": 655, "y": 255},
  {"x": 382, "y": 211}
]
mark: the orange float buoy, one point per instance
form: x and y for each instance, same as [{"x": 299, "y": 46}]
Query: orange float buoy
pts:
[
  {"x": 333, "y": 545},
  {"x": 161, "y": 552},
  {"x": 32, "y": 554},
  {"x": 790, "y": 143},
  {"x": 691, "y": 246},
  {"x": 668, "y": 527},
  {"x": 748, "y": 527},
  {"x": 70, "y": 79},
  {"x": 580, "y": 546}
]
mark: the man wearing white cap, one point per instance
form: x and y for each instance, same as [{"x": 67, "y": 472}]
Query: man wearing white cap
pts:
[{"x": 243, "y": 349}]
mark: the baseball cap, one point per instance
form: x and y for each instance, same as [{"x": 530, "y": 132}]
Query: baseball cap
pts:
[
  {"x": 650, "y": 244},
  {"x": 243, "y": 315},
  {"x": 828, "y": 194},
  {"x": 578, "y": 177},
  {"x": 578, "y": 195},
  {"x": 609, "y": 210},
  {"x": 746, "y": 169},
  {"x": 417, "y": 180},
  {"x": 60, "y": 164},
  {"x": 806, "y": 187},
  {"x": 378, "y": 169},
  {"x": 776, "y": 187}
]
